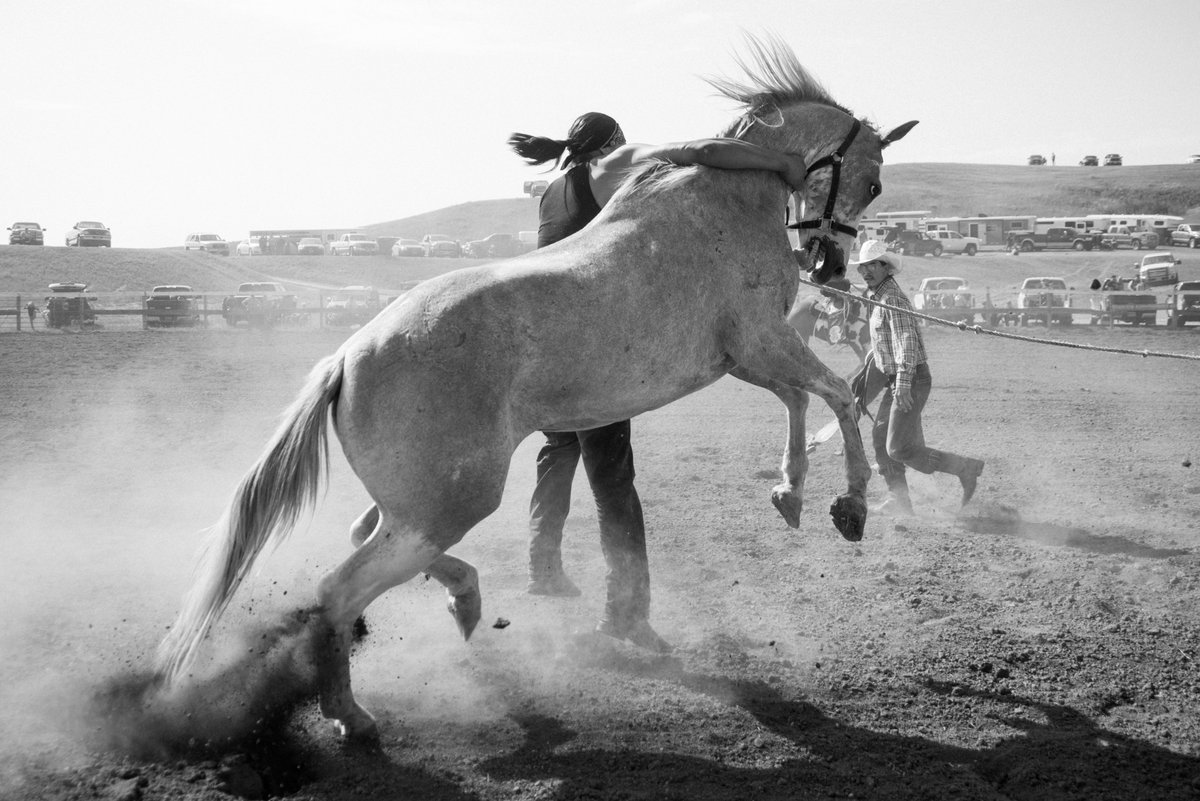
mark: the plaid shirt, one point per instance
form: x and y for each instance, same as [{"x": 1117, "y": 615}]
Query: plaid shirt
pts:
[{"x": 895, "y": 335}]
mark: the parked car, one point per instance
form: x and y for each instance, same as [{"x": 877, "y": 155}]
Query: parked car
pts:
[
  {"x": 209, "y": 243},
  {"x": 407, "y": 247},
  {"x": 353, "y": 245},
  {"x": 25, "y": 233},
  {"x": 955, "y": 243},
  {"x": 172, "y": 305},
  {"x": 310, "y": 246},
  {"x": 495, "y": 246},
  {"x": 352, "y": 305},
  {"x": 1042, "y": 293},
  {"x": 1089, "y": 161},
  {"x": 1037, "y": 160},
  {"x": 89, "y": 234},
  {"x": 947, "y": 297},
  {"x": 912, "y": 243},
  {"x": 259, "y": 303},
  {"x": 1112, "y": 160},
  {"x": 439, "y": 245},
  {"x": 1187, "y": 235},
  {"x": 1185, "y": 304},
  {"x": 1158, "y": 269},
  {"x": 249, "y": 247}
]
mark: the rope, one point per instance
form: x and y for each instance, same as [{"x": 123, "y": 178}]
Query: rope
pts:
[{"x": 962, "y": 326}]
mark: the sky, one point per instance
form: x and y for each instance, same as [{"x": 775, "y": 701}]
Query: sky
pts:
[{"x": 163, "y": 117}]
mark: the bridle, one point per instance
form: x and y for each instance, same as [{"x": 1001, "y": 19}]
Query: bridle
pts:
[{"x": 824, "y": 256}]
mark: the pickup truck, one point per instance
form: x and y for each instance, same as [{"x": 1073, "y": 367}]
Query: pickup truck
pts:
[
  {"x": 1117, "y": 236},
  {"x": 1187, "y": 235},
  {"x": 1053, "y": 239},
  {"x": 1185, "y": 304},
  {"x": 261, "y": 303},
  {"x": 353, "y": 245},
  {"x": 1121, "y": 306},
  {"x": 1158, "y": 269}
]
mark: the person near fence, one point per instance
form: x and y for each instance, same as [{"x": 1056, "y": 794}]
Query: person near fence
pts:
[
  {"x": 899, "y": 352},
  {"x": 597, "y": 160},
  {"x": 31, "y": 310}
]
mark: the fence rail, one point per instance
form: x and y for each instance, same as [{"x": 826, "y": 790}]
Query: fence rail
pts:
[{"x": 129, "y": 311}]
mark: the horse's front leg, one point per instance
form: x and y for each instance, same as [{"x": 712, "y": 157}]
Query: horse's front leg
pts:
[
  {"x": 787, "y": 496},
  {"x": 778, "y": 355}
]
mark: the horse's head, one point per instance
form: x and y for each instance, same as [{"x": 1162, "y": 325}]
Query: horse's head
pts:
[{"x": 788, "y": 110}]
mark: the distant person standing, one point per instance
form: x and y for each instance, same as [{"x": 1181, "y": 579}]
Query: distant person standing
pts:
[
  {"x": 1052, "y": 159},
  {"x": 31, "y": 309},
  {"x": 264, "y": 245}
]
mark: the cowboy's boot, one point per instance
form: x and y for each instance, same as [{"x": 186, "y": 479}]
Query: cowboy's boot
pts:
[
  {"x": 546, "y": 575},
  {"x": 968, "y": 470}
]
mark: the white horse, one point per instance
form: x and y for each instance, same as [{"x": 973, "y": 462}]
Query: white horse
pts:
[{"x": 686, "y": 275}]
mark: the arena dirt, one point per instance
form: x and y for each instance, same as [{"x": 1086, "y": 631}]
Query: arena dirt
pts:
[{"x": 1042, "y": 644}]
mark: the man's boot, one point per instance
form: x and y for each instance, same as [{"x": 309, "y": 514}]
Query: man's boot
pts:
[
  {"x": 897, "y": 501},
  {"x": 547, "y": 577},
  {"x": 968, "y": 471}
]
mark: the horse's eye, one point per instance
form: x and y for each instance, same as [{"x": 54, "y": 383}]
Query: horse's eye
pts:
[{"x": 876, "y": 189}]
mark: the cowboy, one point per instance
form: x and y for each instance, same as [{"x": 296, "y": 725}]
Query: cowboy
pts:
[{"x": 899, "y": 353}]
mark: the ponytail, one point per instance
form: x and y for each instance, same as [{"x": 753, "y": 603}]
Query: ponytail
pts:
[{"x": 536, "y": 150}]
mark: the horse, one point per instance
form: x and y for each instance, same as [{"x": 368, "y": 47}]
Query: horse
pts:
[{"x": 685, "y": 276}]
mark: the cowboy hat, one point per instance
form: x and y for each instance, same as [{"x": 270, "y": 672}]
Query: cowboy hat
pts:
[{"x": 874, "y": 250}]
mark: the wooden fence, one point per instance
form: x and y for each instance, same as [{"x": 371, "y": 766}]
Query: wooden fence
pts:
[{"x": 126, "y": 311}]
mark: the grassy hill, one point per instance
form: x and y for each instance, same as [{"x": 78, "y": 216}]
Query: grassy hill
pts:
[{"x": 945, "y": 189}]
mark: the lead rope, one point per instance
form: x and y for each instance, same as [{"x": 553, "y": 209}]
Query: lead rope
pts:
[{"x": 961, "y": 326}]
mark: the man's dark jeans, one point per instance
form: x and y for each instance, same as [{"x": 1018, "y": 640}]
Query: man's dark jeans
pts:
[{"x": 608, "y": 461}]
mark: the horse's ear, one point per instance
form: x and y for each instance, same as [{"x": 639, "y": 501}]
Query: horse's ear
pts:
[
  {"x": 897, "y": 133},
  {"x": 767, "y": 112}
]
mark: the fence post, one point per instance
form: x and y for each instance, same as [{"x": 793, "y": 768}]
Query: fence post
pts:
[{"x": 20, "y": 311}]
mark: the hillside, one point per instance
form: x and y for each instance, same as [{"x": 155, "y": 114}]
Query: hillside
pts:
[
  {"x": 944, "y": 189},
  {"x": 963, "y": 190}
]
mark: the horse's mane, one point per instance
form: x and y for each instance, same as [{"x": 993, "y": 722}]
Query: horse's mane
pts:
[{"x": 777, "y": 77}]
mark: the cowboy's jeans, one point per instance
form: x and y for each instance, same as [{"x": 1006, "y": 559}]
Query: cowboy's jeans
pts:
[
  {"x": 608, "y": 461},
  {"x": 900, "y": 441}
]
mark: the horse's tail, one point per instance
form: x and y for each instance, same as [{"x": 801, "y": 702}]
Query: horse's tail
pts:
[{"x": 282, "y": 484}]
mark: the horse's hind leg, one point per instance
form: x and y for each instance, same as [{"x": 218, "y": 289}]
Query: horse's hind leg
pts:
[
  {"x": 461, "y": 581},
  {"x": 380, "y": 563},
  {"x": 460, "y": 578}
]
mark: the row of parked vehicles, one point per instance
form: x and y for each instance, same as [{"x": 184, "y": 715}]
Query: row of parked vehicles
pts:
[
  {"x": 1048, "y": 298},
  {"x": 254, "y": 303},
  {"x": 1110, "y": 160},
  {"x": 493, "y": 246},
  {"x": 84, "y": 234}
]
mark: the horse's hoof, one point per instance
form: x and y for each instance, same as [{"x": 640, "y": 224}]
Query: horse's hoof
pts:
[
  {"x": 359, "y": 728},
  {"x": 849, "y": 513},
  {"x": 466, "y": 608},
  {"x": 788, "y": 503}
]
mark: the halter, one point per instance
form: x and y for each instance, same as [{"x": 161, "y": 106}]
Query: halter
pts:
[
  {"x": 834, "y": 162},
  {"x": 824, "y": 254}
]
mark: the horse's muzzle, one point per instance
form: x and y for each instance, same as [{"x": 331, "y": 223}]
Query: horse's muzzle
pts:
[{"x": 826, "y": 259}]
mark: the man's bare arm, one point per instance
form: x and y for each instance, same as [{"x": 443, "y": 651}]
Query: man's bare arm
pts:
[{"x": 726, "y": 154}]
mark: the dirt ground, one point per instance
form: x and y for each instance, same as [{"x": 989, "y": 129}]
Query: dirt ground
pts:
[{"x": 1040, "y": 644}]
